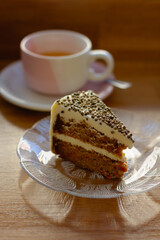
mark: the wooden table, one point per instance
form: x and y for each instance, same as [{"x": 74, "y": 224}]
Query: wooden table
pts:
[
  {"x": 130, "y": 30},
  {"x": 28, "y": 210}
]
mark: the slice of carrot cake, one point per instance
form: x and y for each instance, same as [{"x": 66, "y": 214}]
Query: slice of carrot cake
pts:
[{"x": 85, "y": 131}]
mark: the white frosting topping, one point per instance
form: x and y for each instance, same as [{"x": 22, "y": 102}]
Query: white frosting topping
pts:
[
  {"x": 86, "y": 106},
  {"x": 88, "y": 146},
  {"x": 103, "y": 128}
]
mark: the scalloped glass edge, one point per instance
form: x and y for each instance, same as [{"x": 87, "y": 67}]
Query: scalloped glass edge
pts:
[{"x": 140, "y": 180}]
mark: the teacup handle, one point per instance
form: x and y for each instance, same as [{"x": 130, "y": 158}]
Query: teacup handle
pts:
[{"x": 107, "y": 57}]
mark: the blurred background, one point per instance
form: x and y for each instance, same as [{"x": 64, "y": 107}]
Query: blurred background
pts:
[{"x": 129, "y": 30}]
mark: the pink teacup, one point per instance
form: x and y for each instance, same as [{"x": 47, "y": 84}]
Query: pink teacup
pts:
[{"x": 59, "y": 61}]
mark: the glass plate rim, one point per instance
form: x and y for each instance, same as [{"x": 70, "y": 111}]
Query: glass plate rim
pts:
[{"x": 22, "y": 163}]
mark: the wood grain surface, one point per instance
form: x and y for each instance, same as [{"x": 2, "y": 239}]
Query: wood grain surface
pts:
[{"x": 130, "y": 30}]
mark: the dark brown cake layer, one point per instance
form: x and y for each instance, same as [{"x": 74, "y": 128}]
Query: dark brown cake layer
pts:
[
  {"x": 86, "y": 133},
  {"x": 89, "y": 159}
]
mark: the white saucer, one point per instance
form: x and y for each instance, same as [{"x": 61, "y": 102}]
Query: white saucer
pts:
[{"x": 14, "y": 89}]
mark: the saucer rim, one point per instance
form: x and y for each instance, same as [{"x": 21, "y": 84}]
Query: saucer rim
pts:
[{"x": 20, "y": 102}]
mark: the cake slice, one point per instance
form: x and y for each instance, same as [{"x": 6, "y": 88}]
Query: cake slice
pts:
[{"x": 85, "y": 131}]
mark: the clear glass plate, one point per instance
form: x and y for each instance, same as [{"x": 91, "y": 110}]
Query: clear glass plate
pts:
[{"x": 61, "y": 175}]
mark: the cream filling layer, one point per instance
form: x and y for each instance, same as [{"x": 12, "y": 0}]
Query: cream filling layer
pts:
[
  {"x": 88, "y": 146},
  {"x": 103, "y": 128}
]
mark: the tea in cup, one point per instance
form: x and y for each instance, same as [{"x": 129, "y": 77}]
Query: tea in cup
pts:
[{"x": 58, "y": 62}]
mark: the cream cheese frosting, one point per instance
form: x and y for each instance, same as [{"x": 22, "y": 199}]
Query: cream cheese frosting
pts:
[
  {"x": 87, "y": 106},
  {"x": 88, "y": 146},
  {"x": 103, "y": 128}
]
